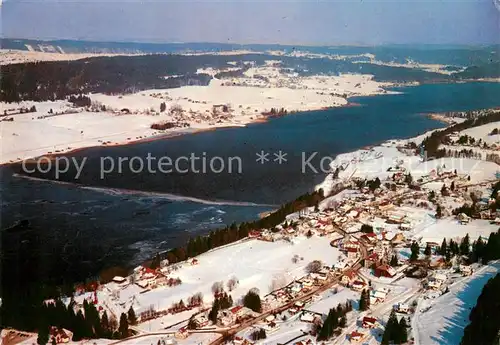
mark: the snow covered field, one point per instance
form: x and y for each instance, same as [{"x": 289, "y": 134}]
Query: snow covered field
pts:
[
  {"x": 254, "y": 263},
  {"x": 28, "y": 136},
  {"x": 452, "y": 229},
  {"x": 444, "y": 322},
  {"x": 376, "y": 161}
]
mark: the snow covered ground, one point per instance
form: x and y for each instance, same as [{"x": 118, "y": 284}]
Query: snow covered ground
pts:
[
  {"x": 331, "y": 299},
  {"x": 451, "y": 229},
  {"x": 444, "y": 322},
  {"x": 254, "y": 263},
  {"x": 28, "y": 136},
  {"x": 482, "y": 132}
]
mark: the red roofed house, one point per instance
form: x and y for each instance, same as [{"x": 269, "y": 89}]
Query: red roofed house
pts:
[
  {"x": 254, "y": 233},
  {"x": 352, "y": 253},
  {"x": 369, "y": 322},
  {"x": 358, "y": 285},
  {"x": 60, "y": 335},
  {"x": 372, "y": 259},
  {"x": 356, "y": 336},
  {"x": 370, "y": 237},
  {"x": 348, "y": 278},
  {"x": 385, "y": 270}
]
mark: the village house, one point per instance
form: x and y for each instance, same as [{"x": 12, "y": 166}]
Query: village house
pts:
[
  {"x": 270, "y": 328},
  {"x": 351, "y": 243},
  {"x": 463, "y": 218},
  {"x": 403, "y": 308},
  {"x": 200, "y": 320},
  {"x": 307, "y": 317},
  {"x": 378, "y": 296},
  {"x": 370, "y": 237},
  {"x": 356, "y": 337},
  {"x": 369, "y": 322},
  {"x": 466, "y": 270},
  {"x": 340, "y": 266},
  {"x": 182, "y": 333},
  {"x": 348, "y": 278},
  {"x": 119, "y": 279},
  {"x": 60, "y": 335},
  {"x": 385, "y": 270},
  {"x": 372, "y": 259},
  {"x": 352, "y": 253},
  {"x": 358, "y": 285}
]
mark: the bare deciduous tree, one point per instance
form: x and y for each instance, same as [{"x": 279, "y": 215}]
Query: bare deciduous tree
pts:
[
  {"x": 232, "y": 283},
  {"x": 278, "y": 282},
  {"x": 314, "y": 266},
  {"x": 217, "y": 287}
]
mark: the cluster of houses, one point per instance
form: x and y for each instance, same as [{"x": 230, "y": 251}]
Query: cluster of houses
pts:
[{"x": 296, "y": 289}]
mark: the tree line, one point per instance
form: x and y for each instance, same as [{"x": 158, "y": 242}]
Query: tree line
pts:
[
  {"x": 395, "y": 331},
  {"x": 86, "y": 323},
  {"x": 433, "y": 141},
  {"x": 484, "y": 327},
  {"x": 336, "y": 318},
  {"x": 480, "y": 250}
]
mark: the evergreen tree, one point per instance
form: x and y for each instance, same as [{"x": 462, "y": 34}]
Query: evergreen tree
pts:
[
  {"x": 428, "y": 250},
  {"x": 394, "y": 261},
  {"x": 362, "y": 301},
  {"x": 43, "y": 335},
  {"x": 132, "y": 319},
  {"x": 439, "y": 211},
  {"x": 214, "y": 312},
  {"x": 415, "y": 250},
  {"x": 252, "y": 301},
  {"x": 465, "y": 245},
  {"x": 343, "y": 322},
  {"x": 444, "y": 247},
  {"x": 123, "y": 327},
  {"x": 391, "y": 332},
  {"x": 105, "y": 325},
  {"x": 403, "y": 331}
]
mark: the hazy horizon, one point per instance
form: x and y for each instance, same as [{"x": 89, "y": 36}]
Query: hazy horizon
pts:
[{"x": 327, "y": 23}]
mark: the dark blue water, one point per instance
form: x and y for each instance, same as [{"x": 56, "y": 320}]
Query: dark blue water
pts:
[{"x": 97, "y": 227}]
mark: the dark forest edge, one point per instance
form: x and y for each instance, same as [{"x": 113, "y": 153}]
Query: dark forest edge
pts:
[
  {"x": 55, "y": 80},
  {"x": 484, "y": 326},
  {"x": 22, "y": 299}
]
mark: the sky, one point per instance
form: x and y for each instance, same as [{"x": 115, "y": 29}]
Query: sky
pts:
[{"x": 320, "y": 22}]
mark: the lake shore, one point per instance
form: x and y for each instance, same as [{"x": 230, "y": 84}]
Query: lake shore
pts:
[{"x": 57, "y": 128}]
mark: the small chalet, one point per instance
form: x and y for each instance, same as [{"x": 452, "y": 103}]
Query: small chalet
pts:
[
  {"x": 377, "y": 296},
  {"x": 369, "y": 322},
  {"x": 369, "y": 237},
  {"x": 60, "y": 335},
  {"x": 192, "y": 261},
  {"x": 348, "y": 278},
  {"x": 403, "y": 308},
  {"x": 352, "y": 253},
  {"x": 356, "y": 337},
  {"x": 340, "y": 266},
  {"x": 372, "y": 259},
  {"x": 385, "y": 270},
  {"x": 358, "y": 285},
  {"x": 466, "y": 270},
  {"x": 307, "y": 317},
  {"x": 200, "y": 320},
  {"x": 463, "y": 218},
  {"x": 119, "y": 279}
]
